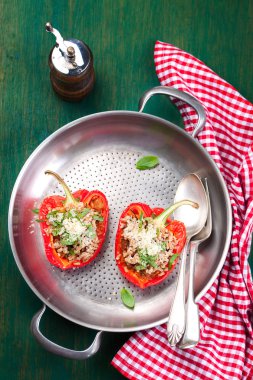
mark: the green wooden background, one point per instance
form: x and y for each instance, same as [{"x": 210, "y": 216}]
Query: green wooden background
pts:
[{"x": 121, "y": 34}]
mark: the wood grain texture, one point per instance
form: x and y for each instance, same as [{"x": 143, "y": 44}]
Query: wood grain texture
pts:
[{"x": 121, "y": 35}]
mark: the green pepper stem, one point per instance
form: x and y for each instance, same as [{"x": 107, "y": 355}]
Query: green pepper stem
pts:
[
  {"x": 70, "y": 200},
  {"x": 160, "y": 220}
]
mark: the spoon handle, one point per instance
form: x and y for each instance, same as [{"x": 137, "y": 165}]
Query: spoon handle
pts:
[
  {"x": 192, "y": 327},
  {"x": 176, "y": 321}
]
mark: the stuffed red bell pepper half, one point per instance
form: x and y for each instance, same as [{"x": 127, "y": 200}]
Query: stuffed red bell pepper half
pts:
[
  {"x": 148, "y": 243},
  {"x": 73, "y": 227}
]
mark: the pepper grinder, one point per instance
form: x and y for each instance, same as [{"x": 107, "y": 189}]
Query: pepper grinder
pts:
[{"x": 71, "y": 67}]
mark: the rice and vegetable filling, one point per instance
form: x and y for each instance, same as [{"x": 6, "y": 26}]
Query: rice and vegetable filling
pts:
[
  {"x": 146, "y": 248},
  {"x": 74, "y": 232}
]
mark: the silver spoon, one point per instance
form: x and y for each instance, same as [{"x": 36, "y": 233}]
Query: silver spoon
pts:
[
  {"x": 190, "y": 187},
  {"x": 192, "y": 326}
]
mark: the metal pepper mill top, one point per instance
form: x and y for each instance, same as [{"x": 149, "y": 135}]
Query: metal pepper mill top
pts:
[{"x": 71, "y": 67}]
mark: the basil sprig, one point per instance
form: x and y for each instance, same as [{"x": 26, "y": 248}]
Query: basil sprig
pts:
[
  {"x": 147, "y": 162},
  {"x": 127, "y": 298}
]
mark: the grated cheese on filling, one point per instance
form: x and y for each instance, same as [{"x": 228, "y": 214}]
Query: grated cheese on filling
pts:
[
  {"x": 74, "y": 227},
  {"x": 143, "y": 238}
]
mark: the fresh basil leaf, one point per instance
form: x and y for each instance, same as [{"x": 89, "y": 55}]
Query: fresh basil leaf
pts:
[
  {"x": 35, "y": 210},
  {"x": 127, "y": 298},
  {"x": 147, "y": 162},
  {"x": 172, "y": 260}
]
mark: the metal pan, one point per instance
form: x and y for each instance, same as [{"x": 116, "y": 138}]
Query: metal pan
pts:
[{"x": 99, "y": 152}]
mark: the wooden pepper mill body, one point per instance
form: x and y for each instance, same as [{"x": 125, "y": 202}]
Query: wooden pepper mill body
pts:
[{"x": 71, "y": 67}]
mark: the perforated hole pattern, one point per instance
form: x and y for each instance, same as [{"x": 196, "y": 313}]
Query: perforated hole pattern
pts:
[{"x": 114, "y": 173}]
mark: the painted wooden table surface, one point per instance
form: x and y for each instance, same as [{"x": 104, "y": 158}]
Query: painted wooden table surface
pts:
[{"x": 121, "y": 34}]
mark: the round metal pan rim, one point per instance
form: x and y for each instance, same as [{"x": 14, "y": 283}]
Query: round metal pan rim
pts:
[{"x": 44, "y": 143}]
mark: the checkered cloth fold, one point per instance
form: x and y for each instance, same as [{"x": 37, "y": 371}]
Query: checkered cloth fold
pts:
[{"x": 225, "y": 350}]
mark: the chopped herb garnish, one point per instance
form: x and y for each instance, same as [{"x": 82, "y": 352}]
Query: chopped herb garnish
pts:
[
  {"x": 140, "y": 267},
  {"x": 68, "y": 240},
  {"x": 163, "y": 245},
  {"x": 147, "y": 259},
  {"x": 83, "y": 213},
  {"x": 71, "y": 214},
  {"x": 141, "y": 221},
  {"x": 90, "y": 233},
  {"x": 147, "y": 162},
  {"x": 52, "y": 213},
  {"x": 56, "y": 231},
  {"x": 127, "y": 298},
  {"x": 172, "y": 260},
  {"x": 35, "y": 210},
  {"x": 99, "y": 218},
  {"x": 40, "y": 220}
]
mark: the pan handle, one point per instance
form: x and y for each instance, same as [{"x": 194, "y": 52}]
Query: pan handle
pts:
[
  {"x": 59, "y": 350},
  {"x": 187, "y": 98}
]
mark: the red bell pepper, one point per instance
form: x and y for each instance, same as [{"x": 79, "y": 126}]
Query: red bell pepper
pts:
[
  {"x": 159, "y": 216},
  {"x": 94, "y": 200}
]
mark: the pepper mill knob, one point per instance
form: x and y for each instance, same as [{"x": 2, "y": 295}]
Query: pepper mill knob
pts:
[
  {"x": 71, "y": 52},
  {"x": 71, "y": 67}
]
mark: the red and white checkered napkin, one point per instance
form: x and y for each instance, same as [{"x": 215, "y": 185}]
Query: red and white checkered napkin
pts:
[{"x": 225, "y": 350}]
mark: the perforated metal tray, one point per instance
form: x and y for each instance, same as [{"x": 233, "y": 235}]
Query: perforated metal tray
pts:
[{"x": 100, "y": 152}]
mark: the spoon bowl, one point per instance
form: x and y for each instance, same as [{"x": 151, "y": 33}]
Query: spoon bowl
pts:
[
  {"x": 194, "y": 219},
  {"x": 191, "y": 187}
]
